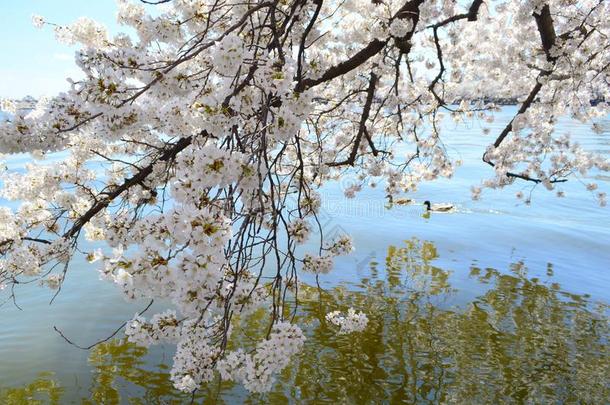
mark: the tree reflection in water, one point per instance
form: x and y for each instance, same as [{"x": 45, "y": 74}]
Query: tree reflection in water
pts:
[{"x": 520, "y": 341}]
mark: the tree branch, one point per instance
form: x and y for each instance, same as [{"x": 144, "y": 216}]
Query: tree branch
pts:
[
  {"x": 409, "y": 10},
  {"x": 370, "y": 94},
  {"x": 471, "y": 15},
  {"x": 546, "y": 30},
  {"x": 138, "y": 178},
  {"x": 544, "y": 22},
  {"x": 344, "y": 67}
]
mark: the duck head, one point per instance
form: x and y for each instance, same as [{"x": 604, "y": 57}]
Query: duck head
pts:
[{"x": 427, "y": 204}]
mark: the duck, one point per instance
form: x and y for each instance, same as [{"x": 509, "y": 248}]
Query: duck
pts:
[
  {"x": 445, "y": 207},
  {"x": 398, "y": 201},
  {"x": 403, "y": 201}
]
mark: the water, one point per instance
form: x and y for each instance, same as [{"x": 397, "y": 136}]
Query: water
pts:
[{"x": 496, "y": 301}]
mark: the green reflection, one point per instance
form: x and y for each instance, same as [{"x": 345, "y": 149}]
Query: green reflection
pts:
[
  {"x": 522, "y": 341},
  {"x": 44, "y": 390}
]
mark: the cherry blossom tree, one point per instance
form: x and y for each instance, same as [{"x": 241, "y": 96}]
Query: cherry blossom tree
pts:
[{"x": 194, "y": 145}]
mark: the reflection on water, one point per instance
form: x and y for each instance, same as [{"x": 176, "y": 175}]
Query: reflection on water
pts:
[
  {"x": 522, "y": 340},
  {"x": 43, "y": 390}
]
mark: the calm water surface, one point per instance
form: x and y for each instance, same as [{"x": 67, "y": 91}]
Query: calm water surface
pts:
[{"x": 498, "y": 301}]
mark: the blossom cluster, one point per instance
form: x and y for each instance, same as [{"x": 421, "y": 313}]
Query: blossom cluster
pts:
[
  {"x": 256, "y": 371},
  {"x": 299, "y": 230},
  {"x": 350, "y": 322}
]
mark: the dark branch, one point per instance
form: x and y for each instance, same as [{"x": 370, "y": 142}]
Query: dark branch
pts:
[
  {"x": 526, "y": 104},
  {"x": 471, "y": 15},
  {"x": 370, "y": 95},
  {"x": 544, "y": 22},
  {"x": 138, "y": 178},
  {"x": 546, "y": 30},
  {"x": 409, "y": 10},
  {"x": 103, "y": 340},
  {"x": 344, "y": 67}
]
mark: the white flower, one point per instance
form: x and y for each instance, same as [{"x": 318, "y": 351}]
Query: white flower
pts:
[
  {"x": 38, "y": 21},
  {"x": 53, "y": 281},
  {"x": 299, "y": 230},
  {"x": 10, "y": 225},
  {"x": 317, "y": 264},
  {"x": 601, "y": 198},
  {"x": 597, "y": 128},
  {"x": 122, "y": 276},
  {"x": 163, "y": 327},
  {"x": 475, "y": 192},
  {"x": 8, "y": 106},
  {"x": 187, "y": 384},
  {"x": 342, "y": 246},
  {"x": 591, "y": 186},
  {"x": 351, "y": 322},
  {"x": 350, "y": 192},
  {"x": 401, "y": 27},
  {"x": 95, "y": 256}
]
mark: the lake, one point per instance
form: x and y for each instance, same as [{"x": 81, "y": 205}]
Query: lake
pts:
[{"x": 497, "y": 301}]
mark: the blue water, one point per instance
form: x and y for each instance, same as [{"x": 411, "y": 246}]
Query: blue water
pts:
[
  {"x": 570, "y": 235},
  {"x": 564, "y": 241}
]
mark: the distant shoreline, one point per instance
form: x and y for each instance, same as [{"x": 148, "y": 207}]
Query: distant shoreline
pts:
[{"x": 29, "y": 102}]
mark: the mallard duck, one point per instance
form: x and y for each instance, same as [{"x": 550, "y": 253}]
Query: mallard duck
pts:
[
  {"x": 398, "y": 201},
  {"x": 403, "y": 201},
  {"x": 438, "y": 207}
]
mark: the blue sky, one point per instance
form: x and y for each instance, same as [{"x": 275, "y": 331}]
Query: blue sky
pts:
[{"x": 32, "y": 62}]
